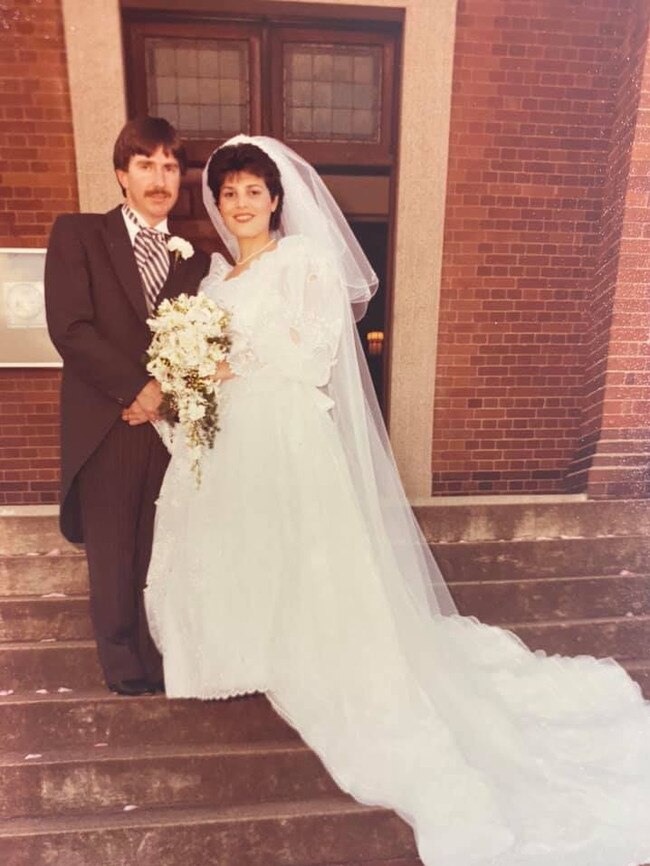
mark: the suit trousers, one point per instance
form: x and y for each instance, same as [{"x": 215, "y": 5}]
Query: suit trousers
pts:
[{"x": 118, "y": 488}]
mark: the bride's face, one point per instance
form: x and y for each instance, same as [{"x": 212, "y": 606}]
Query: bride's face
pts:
[{"x": 246, "y": 205}]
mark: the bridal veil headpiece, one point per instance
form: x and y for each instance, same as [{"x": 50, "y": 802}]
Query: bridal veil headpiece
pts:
[{"x": 308, "y": 209}]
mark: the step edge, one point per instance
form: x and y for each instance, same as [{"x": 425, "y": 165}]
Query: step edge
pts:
[
  {"x": 146, "y": 753},
  {"x": 554, "y": 579},
  {"x": 596, "y": 621},
  {"x": 270, "y": 811},
  {"x": 23, "y": 646},
  {"x": 517, "y": 542},
  {"x": 65, "y": 555},
  {"x": 54, "y": 596},
  {"x": 105, "y": 696}
]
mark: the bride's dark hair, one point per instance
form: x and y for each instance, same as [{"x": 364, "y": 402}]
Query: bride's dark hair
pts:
[{"x": 246, "y": 157}]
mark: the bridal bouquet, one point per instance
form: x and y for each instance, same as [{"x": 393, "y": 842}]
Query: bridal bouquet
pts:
[{"x": 190, "y": 337}]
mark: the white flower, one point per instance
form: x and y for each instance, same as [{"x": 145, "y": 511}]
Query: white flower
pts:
[
  {"x": 181, "y": 246},
  {"x": 195, "y": 411}
]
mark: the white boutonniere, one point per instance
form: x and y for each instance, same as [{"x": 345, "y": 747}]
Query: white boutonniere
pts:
[{"x": 180, "y": 247}]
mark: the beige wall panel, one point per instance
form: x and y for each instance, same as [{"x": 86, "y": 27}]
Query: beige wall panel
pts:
[
  {"x": 95, "y": 67},
  {"x": 424, "y": 138}
]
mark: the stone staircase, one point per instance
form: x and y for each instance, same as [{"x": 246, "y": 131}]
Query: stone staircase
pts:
[
  {"x": 88, "y": 778},
  {"x": 568, "y": 577}
]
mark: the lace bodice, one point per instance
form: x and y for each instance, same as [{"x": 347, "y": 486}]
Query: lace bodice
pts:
[{"x": 286, "y": 311}]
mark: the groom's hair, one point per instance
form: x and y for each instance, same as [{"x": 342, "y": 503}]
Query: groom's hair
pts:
[
  {"x": 143, "y": 136},
  {"x": 246, "y": 157}
]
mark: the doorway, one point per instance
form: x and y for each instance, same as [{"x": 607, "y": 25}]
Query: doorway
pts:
[{"x": 323, "y": 80}]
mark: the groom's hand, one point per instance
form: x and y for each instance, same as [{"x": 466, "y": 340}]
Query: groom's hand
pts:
[
  {"x": 149, "y": 400},
  {"x": 134, "y": 415}
]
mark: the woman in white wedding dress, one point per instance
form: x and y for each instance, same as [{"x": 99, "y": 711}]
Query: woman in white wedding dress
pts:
[{"x": 297, "y": 569}]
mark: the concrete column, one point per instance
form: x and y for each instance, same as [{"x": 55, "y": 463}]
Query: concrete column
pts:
[{"x": 97, "y": 92}]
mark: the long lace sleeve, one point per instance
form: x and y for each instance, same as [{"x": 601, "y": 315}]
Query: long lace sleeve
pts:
[{"x": 301, "y": 340}]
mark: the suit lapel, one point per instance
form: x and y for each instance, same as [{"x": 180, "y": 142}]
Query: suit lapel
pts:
[
  {"x": 120, "y": 251},
  {"x": 172, "y": 281}
]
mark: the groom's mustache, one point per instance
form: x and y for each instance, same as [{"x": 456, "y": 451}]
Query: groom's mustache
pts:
[{"x": 158, "y": 191}]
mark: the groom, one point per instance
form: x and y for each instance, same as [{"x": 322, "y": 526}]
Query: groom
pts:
[{"x": 104, "y": 275}]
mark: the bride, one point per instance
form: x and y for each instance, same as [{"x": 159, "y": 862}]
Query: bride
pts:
[{"x": 297, "y": 569}]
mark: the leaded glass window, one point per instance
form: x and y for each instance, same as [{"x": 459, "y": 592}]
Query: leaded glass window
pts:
[
  {"x": 201, "y": 86},
  {"x": 332, "y": 92}
]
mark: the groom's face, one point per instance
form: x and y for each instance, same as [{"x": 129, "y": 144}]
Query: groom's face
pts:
[{"x": 151, "y": 184}]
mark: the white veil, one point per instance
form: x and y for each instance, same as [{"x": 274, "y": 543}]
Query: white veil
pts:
[
  {"x": 403, "y": 555},
  {"x": 308, "y": 209}
]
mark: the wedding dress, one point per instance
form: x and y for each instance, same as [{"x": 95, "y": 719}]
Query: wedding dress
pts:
[{"x": 267, "y": 579}]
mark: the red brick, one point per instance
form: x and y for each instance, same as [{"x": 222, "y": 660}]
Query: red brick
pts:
[{"x": 524, "y": 260}]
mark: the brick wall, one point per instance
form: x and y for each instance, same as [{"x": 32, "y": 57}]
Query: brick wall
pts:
[
  {"x": 29, "y": 438},
  {"x": 535, "y": 87},
  {"x": 540, "y": 90},
  {"x": 37, "y": 181},
  {"x": 614, "y": 453}
]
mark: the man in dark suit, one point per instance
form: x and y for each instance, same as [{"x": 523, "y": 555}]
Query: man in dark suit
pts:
[{"x": 104, "y": 275}]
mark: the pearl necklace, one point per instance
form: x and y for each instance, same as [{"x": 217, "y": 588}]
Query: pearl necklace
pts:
[{"x": 256, "y": 253}]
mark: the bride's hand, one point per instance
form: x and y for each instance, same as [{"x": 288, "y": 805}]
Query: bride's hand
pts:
[{"x": 223, "y": 372}]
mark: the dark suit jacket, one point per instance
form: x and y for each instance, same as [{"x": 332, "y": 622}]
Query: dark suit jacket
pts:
[{"x": 96, "y": 314}]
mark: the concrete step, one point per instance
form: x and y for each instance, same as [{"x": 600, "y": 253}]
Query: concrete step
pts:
[
  {"x": 555, "y": 598},
  {"x": 96, "y": 779},
  {"x": 67, "y": 574},
  {"x": 532, "y": 560},
  {"x": 29, "y": 666},
  {"x": 25, "y": 618},
  {"x": 39, "y": 619},
  {"x": 41, "y": 722},
  {"x": 23, "y": 575},
  {"x": 29, "y": 533},
  {"x": 616, "y": 637},
  {"x": 302, "y": 833},
  {"x": 441, "y": 521}
]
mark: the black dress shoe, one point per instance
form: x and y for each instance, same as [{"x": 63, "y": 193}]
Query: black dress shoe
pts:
[
  {"x": 132, "y": 687},
  {"x": 158, "y": 685}
]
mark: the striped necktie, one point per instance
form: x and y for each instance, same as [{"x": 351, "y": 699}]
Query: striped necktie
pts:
[{"x": 152, "y": 257}]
